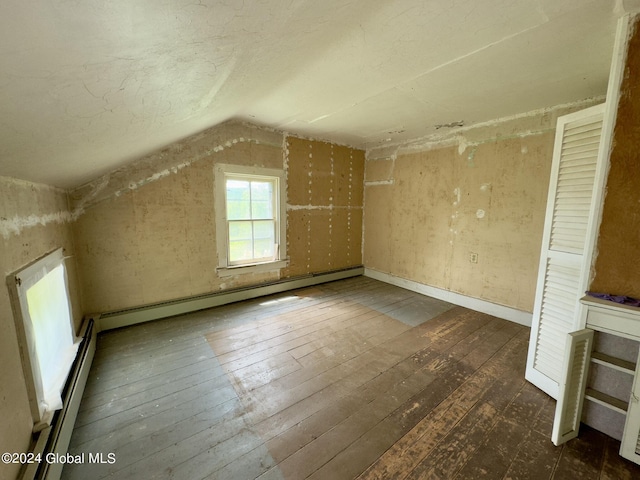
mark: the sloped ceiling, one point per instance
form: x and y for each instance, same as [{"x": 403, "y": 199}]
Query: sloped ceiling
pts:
[{"x": 89, "y": 85}]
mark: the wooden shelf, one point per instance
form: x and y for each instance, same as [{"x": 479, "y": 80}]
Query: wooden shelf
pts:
[
  {"x": 613, "y": 362},
  {"x": 622, "y": 321},
  {"x": 608, "y": 401}
]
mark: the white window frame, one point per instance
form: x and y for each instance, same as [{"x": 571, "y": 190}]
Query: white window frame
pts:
[
  {"x": 43, "y": 404},
  {"x": 222, "y": 172}
]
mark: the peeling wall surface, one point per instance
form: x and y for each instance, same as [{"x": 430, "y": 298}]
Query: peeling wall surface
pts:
[
  {"x": 34, "y": 220},
  {"x": 617, "y": 266},
  {"x": 464, "y": 213},
  {"x": 146, "y": 233}
]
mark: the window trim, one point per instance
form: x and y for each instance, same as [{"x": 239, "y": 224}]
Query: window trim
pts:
[
  {"x": 19, "y": 284},
  {"x": 221, "y": 172}
]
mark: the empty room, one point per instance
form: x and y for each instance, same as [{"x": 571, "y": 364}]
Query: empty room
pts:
[{"x": 262, "y": 239}]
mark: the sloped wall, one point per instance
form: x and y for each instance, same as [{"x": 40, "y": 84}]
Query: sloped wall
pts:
[{"x": 146, "y": 233}]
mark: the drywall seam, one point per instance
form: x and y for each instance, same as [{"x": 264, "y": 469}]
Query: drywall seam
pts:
[
  {"x": 309, "y": 235},
  {"x": 384, "y": 153},
  {"x": 461, "y": 142},
  {"x": 440, "y": 66},
  {"x": 364, "y": 200},
  {"x": 331, "y": 177},
  {"x": 531, "y": 113},
  {"x": 28, "y": 184},
  {"x": 300, "y": 136},
  {"x": 285, "y": 155},
  {"x": 378, "y": 182},
  {"x": 162, "y": 163},
  {"x": 455, "y": 137},
  {"x": 16, "y": 224},
  {"x": 323, "y": 207},
  {"x": 99, "y": 185},
  {"x": 349, "y": 199},
  {"x": 92, "y": 198}
]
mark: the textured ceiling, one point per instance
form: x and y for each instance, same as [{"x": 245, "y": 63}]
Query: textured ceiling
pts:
[{"x": 89, "y": 85}]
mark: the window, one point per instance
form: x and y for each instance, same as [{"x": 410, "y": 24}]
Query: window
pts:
[
  {"x": 250, "y": 222},
  {"x": 45, "y": 331}
]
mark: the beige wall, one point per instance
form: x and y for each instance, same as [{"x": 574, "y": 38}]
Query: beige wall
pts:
[
  {"x": 429, "y": 207},
  {"x": 325, "y": 206},
  {"x": 34, "y": 220},
  {"x": 617, "y": 262},
  {"x": 617, "y": 266},
  {"x": 146, "y": 233}
]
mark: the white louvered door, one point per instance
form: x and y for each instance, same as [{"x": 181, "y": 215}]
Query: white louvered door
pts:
[
  {"x": 564, "y": 261},
  {"x": 571, "y": 396}
]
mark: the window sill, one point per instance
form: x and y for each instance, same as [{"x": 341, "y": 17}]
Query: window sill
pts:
[{"x": 253, "y": 268}]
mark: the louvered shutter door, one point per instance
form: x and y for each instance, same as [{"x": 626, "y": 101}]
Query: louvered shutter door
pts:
[
  {"x": 562, "y": 272},
  {"x": 577, "y": 356},
  {"x": 556, "y": 315},
  {"x": 575, "y": 185}
]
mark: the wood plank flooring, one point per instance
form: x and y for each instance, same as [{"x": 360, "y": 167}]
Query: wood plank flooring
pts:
[{"x": 354, "y": 379}]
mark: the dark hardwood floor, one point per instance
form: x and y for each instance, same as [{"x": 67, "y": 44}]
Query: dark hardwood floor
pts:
[{"x": 350, "y": 379}]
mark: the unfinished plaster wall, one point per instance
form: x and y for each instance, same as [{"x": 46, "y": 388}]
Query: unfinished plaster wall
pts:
[
  {"x": 146, "y": 233},
  {"x": 617, "y": 263},
  {"x": 465, "y": 212},
  {"x": 617, "y": 266},
  {"x": 325, "y": 188},
  {"x": 34, "y": 220}
]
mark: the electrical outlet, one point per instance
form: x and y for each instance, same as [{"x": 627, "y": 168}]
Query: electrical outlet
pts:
[{"x": 473, "y": 258}]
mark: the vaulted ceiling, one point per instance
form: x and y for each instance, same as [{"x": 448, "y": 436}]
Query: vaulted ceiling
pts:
[{"x": 89, "y": 85}]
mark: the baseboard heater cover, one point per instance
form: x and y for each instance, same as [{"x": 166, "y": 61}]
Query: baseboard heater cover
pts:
[
  {"x": 55, "y": 438},
  {"x": 132, "y": 316}
]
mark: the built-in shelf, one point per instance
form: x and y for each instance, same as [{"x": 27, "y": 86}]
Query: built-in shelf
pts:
[
  {"x": 623, "y": 321},
  {"x": 615, "y": 319},
  {"x": 613, "y": 362},
  {"x": 607, "y": 401}
]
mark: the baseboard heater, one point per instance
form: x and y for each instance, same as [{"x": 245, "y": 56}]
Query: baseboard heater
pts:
[
  {"x": 132, "y": 316},
  {"x": 55, "y": 438}
]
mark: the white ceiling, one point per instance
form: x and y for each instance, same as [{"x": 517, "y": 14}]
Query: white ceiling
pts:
[{"x": 88, "y": 85}]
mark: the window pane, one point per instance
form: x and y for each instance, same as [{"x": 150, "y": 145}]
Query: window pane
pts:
[
  {"x": 51, "y": 320},
  {"x": 238, "y": 200},
  {"x": 264, "y": 239},
  {"x": 261, "y": 199},
  {"x": 240, "y": 241}
]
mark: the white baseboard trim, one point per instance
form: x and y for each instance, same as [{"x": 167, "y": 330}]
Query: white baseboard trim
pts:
[
  {"x": 500, "y": 311},
  {"x": 133, "y": 316}
]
